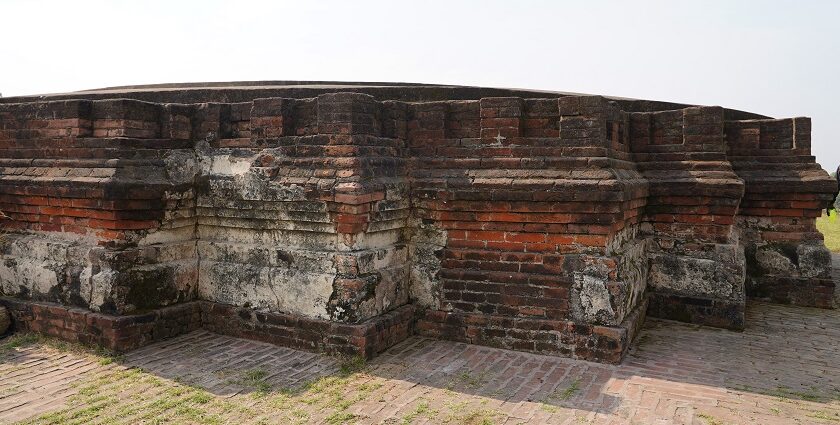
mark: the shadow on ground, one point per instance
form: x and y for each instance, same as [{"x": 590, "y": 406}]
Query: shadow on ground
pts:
[{"x": 785, "y": 365}]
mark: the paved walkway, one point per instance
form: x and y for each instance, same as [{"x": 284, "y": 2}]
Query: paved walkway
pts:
[
  {"x": 785, "y": 368},
  {"x": 835, "y": 272}
]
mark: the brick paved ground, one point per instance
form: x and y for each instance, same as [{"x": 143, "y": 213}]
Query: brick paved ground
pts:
[
  {"x": 835, "y": 261},
  {"x": 785, "y": 368}
]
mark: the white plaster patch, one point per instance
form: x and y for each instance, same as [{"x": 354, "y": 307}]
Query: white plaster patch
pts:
[
  {"x": 95, "y": 288},
  {"x": 303, "y": 293},
  {"x": 425, "y": 265},
  {"x": 594, "y": 298},
  {"x": 16, "y": 272},
  {"x": 226, "y": 165},
  {"x": 166, "y": 236},
  {"x": 689, "y": 276},
  {"x": 270, "y": 288}
]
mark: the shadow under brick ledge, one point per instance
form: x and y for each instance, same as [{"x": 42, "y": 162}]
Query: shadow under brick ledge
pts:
[{"x": 783, "y": 368}]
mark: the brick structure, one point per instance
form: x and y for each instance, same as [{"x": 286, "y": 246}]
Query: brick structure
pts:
[{"x": 345, "y": 217}]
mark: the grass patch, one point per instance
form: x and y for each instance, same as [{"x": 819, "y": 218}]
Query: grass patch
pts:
[
  {"x": 255, "y": 378},
  {"x": 20, "y": 340},
  {"x": 826, "y": 416},
  {"x": 422, "y": 409},
  {"x": 782, "y": 393},
  {"x": 567, "y": 392},
  {"x": 559, "y": 395},
  {"x": 122, "y": 394},
  {"x": 831, "y": 230},
  {"x": 201, "y": 397},
  {"x": 255, "y": 375},
  {"x": 24, "y": 339},
  {"x": 808, "y": 395},
  {"x": 352, "y": 365},
  {"x": 337, "y": 418},
  {"x": 461, "y": 413},
  {"x": 710, "y": 420},
  {"x": 467, "y": 380}
]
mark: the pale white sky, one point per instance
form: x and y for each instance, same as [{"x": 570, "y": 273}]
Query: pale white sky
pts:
[{"x": 778, "y": 58}]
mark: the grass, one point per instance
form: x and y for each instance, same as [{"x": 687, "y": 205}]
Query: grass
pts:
[
  {"x": 422, "y": 409},
  {"x": 119, "y": 393},
  {"x": 122, "y": 394},
  {"x": 710, "y": 420},
  {"x": 467, "y": 380},
  {"x": 566, "y": 393},
  {"x": 559, "y": 394},
  {"x": 831, "y": 230},
  {"x": 826, "y": 416},
  {"x": 464, "y": 414},
  {"x": 19, "y": 340},
  {"x": 24, "y": 339},
  {"x": 783, "y": 393},
  {"x": 255, "y": 378}
]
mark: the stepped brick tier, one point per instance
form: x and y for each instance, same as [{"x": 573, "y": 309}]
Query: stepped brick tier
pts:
[{"x": 344, "y": 217}]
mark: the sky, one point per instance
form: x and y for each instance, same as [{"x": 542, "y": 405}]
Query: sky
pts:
[{"x": 776, "y": 58}]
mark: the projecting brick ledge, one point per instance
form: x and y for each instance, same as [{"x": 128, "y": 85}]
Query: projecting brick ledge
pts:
[
  {"x": 808, "y": 292},
  {"x": 365, "y": 339},
  {"x": 118, "y": 333},
  {"x": 708, "y": 312},
  {"x": 125, "y": 333},
  {"x": 607, "y": 344}
]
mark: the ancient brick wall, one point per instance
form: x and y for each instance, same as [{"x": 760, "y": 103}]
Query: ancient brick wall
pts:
[
  {"x": 785, "y": 190},
  {"x": 696, "y": 264},
  {"x": 540, "y": 224},
  {"x": 84, "y": 183},
  {"x": 540, "y": 209}
]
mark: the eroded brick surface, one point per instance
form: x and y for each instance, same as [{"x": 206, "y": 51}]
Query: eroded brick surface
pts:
[
  {"x": 782, "y": 369},
  {"x": 534, "y": 221}
]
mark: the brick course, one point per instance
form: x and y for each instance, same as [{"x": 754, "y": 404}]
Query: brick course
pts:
[
  {"x": 530, "y": 220},
  {"x": 125, "y": 333}
]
